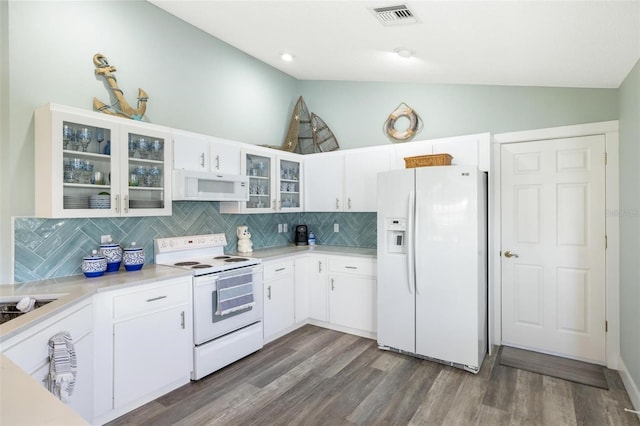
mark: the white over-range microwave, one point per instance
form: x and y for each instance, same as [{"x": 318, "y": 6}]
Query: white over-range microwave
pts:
[{"x": 202, "y": 186}]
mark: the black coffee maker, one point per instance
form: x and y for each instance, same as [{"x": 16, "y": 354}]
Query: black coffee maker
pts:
[{"x": 301, "y": 236}]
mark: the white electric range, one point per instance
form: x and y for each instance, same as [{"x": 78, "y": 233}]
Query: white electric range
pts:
[{"x": 227, "y": 299}]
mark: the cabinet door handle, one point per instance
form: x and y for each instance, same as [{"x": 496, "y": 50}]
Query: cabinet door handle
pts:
[
  {"x": 117, "y": 204},
  {"x": 182, "y": 320},
  {"x": 218, "y": 162},
  {"x": 269, "y": 292},
  {"x": 126, "y": 204},
  {"x": 279, "y": 204},
  {"x": 319, "y": 266},
  {"x": 280, "y": 269},
  {"x": 153, "y": 299},
  {"x": 202, "y": 160},
  {"x": 350, "y": 267},
  {"x": 349, "y": 203},
  {"x": 333, "y": 287},
  {"x": 337, "y": 204}
]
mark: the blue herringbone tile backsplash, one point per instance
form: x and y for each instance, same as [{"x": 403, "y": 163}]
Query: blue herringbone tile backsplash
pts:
[{"x": 49, "y": 248}]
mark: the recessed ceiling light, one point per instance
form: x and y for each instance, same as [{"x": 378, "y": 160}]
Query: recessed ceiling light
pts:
[
  {"x": 403, "y": 52},
  {"x": 287, "y": 57}
]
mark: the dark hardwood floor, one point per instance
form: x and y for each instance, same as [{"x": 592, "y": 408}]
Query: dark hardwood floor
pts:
[{"x": 316, "y": 376}]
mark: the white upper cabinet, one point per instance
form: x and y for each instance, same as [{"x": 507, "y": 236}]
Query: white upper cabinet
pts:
[
  {"x": 89, "y": 164},
  {"x": 205, "y": 153},
  {"x": 191, "y": 151},
  {"x": 275, "y": 182},
  {"x": 469, "y": 150},
  {"x": 344, "y": 181},
  {"x": 324, "y": 176},
  {"x": 361, "y": 170},
  {"x": 225, "y": 156}
]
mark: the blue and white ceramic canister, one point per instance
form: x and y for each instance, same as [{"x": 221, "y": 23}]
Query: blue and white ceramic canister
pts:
[
  {"x": 94, "y": 265},
  {"x": 133, "y": 257},
  {"x": 113, "y": 253}
]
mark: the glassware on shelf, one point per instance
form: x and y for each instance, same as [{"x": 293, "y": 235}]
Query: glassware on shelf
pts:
[
  {"x": 154, "y": 173},
  {"x": 98, "y": 178},
  {"x": 68, "y": 135},
  {"x": 143, "y": 148},
  {"x": 156, "y": 150},
  {"x": 133, "y": 180},
  {"x": 99, "y": 138},
  {"x": 133, "y": 146},
  {"x": 70, "y": 175},
  {"x": 84, "y": 136},
  {"x": 87, "y": 172}
]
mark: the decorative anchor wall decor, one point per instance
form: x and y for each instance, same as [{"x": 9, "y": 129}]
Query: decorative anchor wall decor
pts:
[{"x": 103, "y": 68}]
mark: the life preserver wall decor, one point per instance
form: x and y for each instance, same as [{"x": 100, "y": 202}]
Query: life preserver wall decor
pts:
[{"x": 402, "y": 135}]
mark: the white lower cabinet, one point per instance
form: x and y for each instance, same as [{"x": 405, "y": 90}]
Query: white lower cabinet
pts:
[
  {"x": 352, "y": 293},
  {"x": 144, "y": 345},
  {"x": 311, "y": 288},
  {"x": 279, "y": 298},
  {"x": 143, "y": 359},
  {"x": 30, "y": 351}
]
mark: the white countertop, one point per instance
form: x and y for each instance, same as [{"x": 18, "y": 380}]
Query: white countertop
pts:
[
  {"x": 73, "y": 289},
  {"x": 24, "y": 401}
]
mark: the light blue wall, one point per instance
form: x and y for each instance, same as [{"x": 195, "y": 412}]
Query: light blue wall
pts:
[
  {"x": 630, "y": 223},
  {"x": 356, "y": 111}
]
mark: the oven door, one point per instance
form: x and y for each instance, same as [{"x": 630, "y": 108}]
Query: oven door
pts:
[{"x": 207, "y": 324}]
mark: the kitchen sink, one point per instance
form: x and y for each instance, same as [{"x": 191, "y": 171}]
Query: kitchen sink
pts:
[{"x": 9, "y": 311}]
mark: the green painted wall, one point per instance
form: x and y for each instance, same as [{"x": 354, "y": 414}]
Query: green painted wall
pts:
[
  {"x": 630, "y": 223},
  {"x": 356, "y": 111}
]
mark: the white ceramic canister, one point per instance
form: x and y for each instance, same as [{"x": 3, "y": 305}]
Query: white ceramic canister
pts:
[
  {"x": 133, "y": 257},
  {"x": 94, "y": 265},
  {"x": 113, "y": 253}
]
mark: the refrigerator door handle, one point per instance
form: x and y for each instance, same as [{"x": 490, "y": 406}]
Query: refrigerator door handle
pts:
[
  {"x": 410, "y": 235},
  {"x": 416, "y": 226}
]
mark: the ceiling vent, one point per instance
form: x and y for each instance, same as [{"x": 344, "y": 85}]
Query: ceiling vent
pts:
[{"x": 395, "y": 15}]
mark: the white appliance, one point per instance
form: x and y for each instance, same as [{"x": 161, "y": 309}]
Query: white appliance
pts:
[
  {"x": 203, "y": 186},
  {"x": 220, "y": 337},
  {"x": 432, "y": 265}
]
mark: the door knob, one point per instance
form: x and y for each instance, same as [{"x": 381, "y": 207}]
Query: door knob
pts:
[{"x": 509, "y": 254}]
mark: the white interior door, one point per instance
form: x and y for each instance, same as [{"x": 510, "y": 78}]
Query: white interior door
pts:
[{"x": 553, "y": 246}]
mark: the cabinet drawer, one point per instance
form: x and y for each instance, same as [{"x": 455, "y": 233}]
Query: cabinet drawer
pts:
[
  {"x": 151, "y": 299},
  {"x": 352, "y": 265},
  {"x": 277, "y": 269}
]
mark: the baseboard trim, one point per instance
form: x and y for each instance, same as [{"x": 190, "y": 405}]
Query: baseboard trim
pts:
[{"x": 630, "y": 385}]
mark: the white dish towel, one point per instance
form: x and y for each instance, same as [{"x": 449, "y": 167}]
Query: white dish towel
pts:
[{"x": 62, "y": 366}]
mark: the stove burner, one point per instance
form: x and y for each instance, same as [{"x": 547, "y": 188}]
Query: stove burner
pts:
[
  {"x": 222, "y": 257},
  {"x": 201, "y": 266},
  {"x": 186, "y": 263},
  {"x": 236, "y": 259}
]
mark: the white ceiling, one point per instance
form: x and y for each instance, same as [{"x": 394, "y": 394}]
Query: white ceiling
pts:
[{"x": 530, "y": 43}]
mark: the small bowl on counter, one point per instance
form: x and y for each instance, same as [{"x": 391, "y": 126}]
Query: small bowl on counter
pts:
[
  {"x": 94, "y": 265},
  {"x": 133, "y": 258}
]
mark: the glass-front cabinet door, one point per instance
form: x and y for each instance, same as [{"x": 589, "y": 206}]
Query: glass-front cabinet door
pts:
[
  {"x": 91, "y": 165},
  {"x": 259, "y": 168},
  {"x": 289, "y": 186},
  {"x": 146, "y": 169}
]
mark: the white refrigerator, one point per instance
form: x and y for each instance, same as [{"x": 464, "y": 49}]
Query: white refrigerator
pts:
[{"x": 432, "y": 264}]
